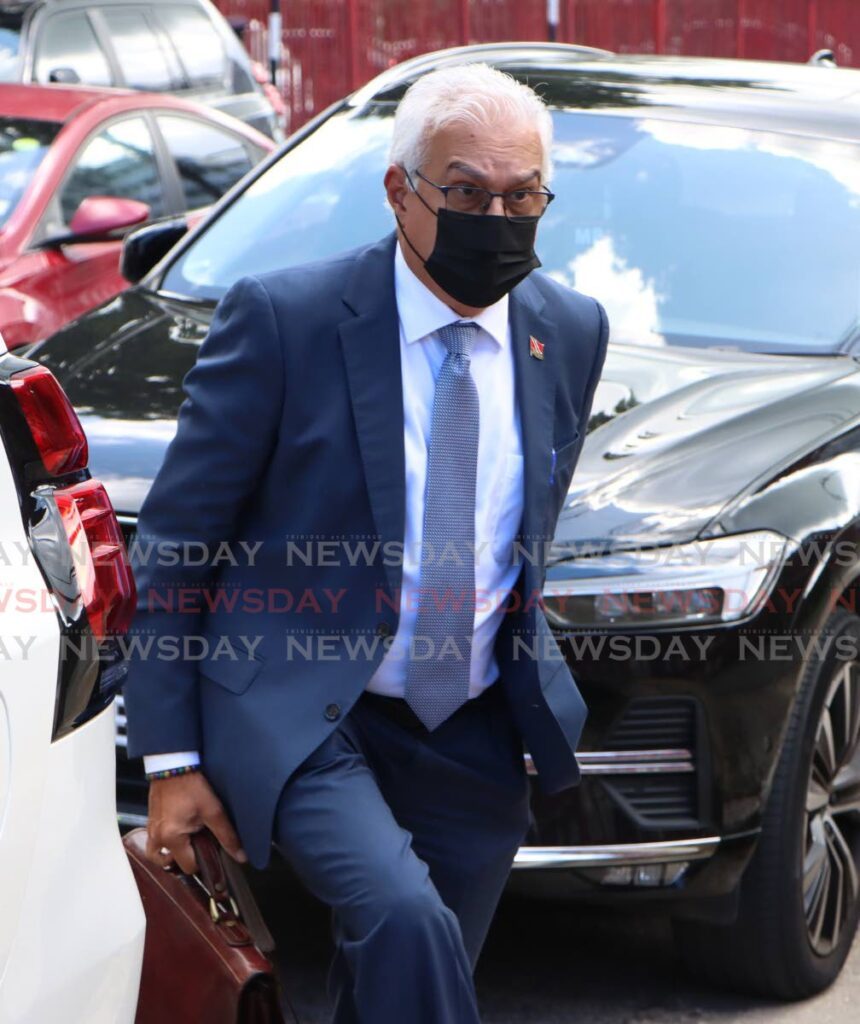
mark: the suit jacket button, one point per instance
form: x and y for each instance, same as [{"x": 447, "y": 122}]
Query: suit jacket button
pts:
[
  {"x": 332, "y": 712},
  {"x": 383, "y": 629}
]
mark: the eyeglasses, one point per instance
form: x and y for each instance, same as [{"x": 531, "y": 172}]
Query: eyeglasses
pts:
[{"x": 520, "y": 202}]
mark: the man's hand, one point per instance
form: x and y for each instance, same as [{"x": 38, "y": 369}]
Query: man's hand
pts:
[{"x": 179, "y": 807}]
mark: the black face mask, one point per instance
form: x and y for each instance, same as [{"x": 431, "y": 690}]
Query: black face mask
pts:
[{"x": 478, "y": 258}]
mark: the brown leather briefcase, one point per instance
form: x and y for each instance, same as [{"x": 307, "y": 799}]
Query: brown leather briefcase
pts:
[{"x": 204, "y": 959}]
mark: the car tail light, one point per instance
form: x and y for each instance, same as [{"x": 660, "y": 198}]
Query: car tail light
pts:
[
  {"x": 104, "y": 575},
  {"x": 53, "y": 422}
]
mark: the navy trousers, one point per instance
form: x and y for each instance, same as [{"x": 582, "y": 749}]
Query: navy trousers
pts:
[{"x": 408, "y": 836}]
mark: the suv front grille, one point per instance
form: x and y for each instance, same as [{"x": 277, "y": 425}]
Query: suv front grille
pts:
[
  {"x": 668, "y": 799},
  {"x": 665, "y": 723}
]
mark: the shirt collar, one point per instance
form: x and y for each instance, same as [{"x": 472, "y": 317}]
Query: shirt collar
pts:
[{"x": 422, "y": 313}]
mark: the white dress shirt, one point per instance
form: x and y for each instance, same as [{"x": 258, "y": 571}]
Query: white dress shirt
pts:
[{"x": 499, "y": 488}]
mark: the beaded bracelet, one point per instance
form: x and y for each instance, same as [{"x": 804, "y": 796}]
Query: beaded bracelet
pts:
[{"x": 170, "y": 772}]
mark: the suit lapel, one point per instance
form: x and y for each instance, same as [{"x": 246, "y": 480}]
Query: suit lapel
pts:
[
  {"x": 370, "y": 341},
  {"x": 535, "y": 390}
]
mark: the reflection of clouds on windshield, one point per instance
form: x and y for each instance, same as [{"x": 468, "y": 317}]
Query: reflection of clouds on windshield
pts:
[
  {"x": 314, "y": 209},
  {"x": 202, "y": 270},
  {"x": 631, "y": 301},
  {"x": 697, "y": 136},
  {"x": 835, "y": 159},
  {"x": 320, "y": 154},
  {"x": 584, "y": 153},
  {"x": 315, "y": 201}
]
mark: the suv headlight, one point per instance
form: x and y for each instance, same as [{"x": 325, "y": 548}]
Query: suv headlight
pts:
[{"x": 706, "y": 581}]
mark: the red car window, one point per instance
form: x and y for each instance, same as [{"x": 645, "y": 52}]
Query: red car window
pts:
[
  {"x": 119, "y": 161},
  {"x": 209, "y": 160},
  {"x": 23, "y": 145}
]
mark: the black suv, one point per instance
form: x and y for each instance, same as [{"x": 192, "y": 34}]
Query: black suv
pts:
[
  {"x": 705, "y": 575},
  {"x": 180, "y": 46}
]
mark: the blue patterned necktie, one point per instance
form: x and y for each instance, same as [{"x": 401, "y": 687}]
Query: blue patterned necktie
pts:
[{"x": 437, "y": 677}]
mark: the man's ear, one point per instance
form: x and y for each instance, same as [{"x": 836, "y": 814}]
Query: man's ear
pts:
[{"x": 396, "y": 188}]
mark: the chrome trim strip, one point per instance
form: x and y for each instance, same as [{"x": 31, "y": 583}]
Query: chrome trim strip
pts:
[
  {"x": 543, "y": 857},
  {"x": 645, "y": 768},
  {"x": 630, "y": 762},
  {"x": 618, "y": 756},
  {"x": 127, "y": 519},
  {"x": 131, "y": 820}
]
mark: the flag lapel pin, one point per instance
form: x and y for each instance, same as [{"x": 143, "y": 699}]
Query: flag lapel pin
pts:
[{"x": 535, "y": 348}]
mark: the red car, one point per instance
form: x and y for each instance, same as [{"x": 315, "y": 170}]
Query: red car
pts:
[{"x": 79, "y": 167}]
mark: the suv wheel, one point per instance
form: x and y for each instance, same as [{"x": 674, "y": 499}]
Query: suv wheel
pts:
[{"x": 800, "y": 896}]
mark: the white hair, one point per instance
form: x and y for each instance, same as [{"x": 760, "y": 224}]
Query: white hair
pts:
[{"x": 466, "y": 94}]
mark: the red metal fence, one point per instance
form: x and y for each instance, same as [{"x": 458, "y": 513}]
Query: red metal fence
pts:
[
  {"x": 765, "y": 29},
  {"x": 329, "y": 47}
]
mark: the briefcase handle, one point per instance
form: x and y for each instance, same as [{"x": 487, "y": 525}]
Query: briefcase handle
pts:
[{"x": 230, "y": 896}]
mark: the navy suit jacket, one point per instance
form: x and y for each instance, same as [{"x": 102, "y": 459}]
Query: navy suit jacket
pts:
[{"x": 292, "y": 431}]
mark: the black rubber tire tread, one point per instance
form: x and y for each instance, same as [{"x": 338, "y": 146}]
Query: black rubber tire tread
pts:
[{"x": 766, "y": 950}]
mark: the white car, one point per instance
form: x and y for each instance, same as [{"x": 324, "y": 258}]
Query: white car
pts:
[{"x": 71, "y": 920}]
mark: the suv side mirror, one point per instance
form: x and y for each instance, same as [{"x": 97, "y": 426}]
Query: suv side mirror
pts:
[{"x": 143, "y": 248}]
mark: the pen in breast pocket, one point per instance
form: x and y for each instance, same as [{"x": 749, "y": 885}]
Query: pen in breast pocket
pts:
[{"x": 552, "y": 469}]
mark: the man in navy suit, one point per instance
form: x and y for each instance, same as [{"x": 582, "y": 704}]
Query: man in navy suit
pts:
[{"x": 385, "y": 440}]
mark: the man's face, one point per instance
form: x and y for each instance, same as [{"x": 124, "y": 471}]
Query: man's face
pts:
[{"x": 495, "y": 157}]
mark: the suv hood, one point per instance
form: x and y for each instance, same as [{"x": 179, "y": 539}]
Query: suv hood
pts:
[
  {"x": 676, "y": 433},
  {"x": 122, "y": 367}
]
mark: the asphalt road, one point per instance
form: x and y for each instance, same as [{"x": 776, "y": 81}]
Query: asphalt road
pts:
[{"x": 549, "y": 964}]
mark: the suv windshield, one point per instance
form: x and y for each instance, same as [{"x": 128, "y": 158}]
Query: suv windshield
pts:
[
  {"x": 23, "y": 145},
  {"x": 690, "y": 234}
]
